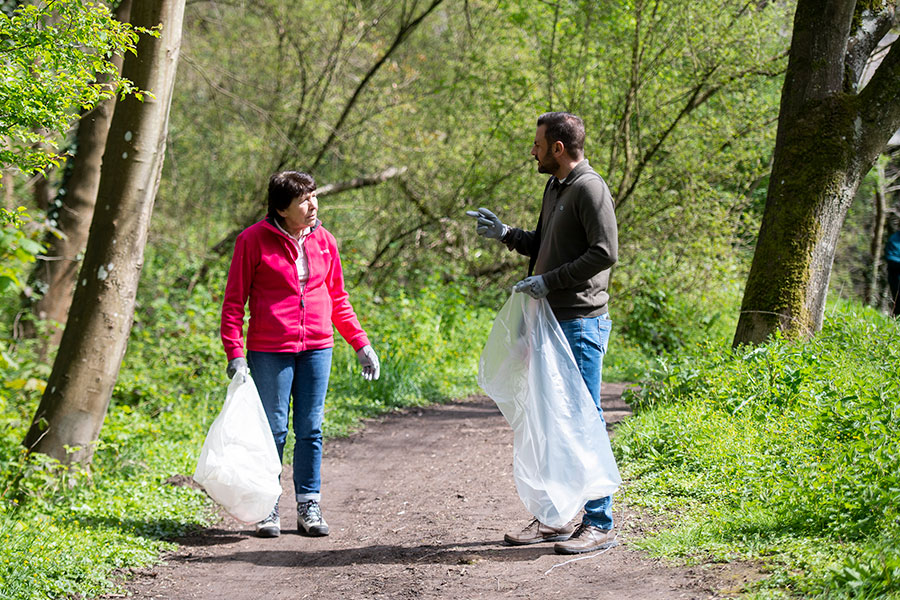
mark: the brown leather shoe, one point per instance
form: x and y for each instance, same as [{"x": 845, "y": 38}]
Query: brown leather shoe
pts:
[
  {"x": 536, "y": 532},
  {"x": 587, "y": 538}
]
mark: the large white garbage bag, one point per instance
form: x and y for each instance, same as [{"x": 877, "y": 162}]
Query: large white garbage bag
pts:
[
  {"x": 561, "y": 452},
  {"x": 238, "y": 465}
]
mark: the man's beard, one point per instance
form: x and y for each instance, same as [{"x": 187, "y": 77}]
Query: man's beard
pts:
[{"x": 549, "y": 165}]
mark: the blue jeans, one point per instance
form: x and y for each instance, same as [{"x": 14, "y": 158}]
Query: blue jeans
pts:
[
  {"x": 893, "y": 269},
  {"x": 302, "y": 376},
  {"x": 588, "y": 339}
]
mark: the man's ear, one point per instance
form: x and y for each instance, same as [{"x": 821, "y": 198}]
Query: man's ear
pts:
[{"x": 558, "y": 148}]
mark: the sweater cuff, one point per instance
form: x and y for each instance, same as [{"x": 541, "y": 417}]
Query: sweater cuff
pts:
[
  {"x": 359, "y": 342},
  {"x": 551, "y": 279}
]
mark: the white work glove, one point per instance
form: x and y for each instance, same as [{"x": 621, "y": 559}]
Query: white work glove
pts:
[
  {"x": 489, "y": 225},
  {"x": 238, "y": 366},
  {"x": 368, "y": 360},
  {"x": 534, "y": 286}
]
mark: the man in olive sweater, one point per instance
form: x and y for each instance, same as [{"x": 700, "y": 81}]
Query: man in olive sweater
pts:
[{"x": 571, "y": 251}]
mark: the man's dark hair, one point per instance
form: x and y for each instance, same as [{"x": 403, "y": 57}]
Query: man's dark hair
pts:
[
  {"x": 566, "y": 128},
  {"x": 285, "y": 186}
]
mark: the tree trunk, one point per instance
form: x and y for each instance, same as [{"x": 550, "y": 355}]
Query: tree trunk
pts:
[
  {"x": 78, "y": 391},
  {"x": 56, "y": 272},
  {"x": 827, "y": 141},
  {"x": 877, "y": 237}
]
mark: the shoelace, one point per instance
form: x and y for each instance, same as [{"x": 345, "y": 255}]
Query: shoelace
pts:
[
  {"x": 273, "y": 516},
  {"x": 578, "y": 531},
  {"x": 312, "y": 513}
]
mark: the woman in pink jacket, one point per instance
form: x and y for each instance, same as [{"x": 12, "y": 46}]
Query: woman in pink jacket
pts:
[{"x": 288, "y": 269}]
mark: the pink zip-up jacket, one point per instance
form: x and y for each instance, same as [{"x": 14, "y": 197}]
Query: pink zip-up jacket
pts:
[{"x": 282, "y": 317}]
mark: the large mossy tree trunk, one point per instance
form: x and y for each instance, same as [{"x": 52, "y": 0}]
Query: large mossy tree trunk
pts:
[
  {"x": 829, "y": 136},
  {"x": 68, "y": 421}
]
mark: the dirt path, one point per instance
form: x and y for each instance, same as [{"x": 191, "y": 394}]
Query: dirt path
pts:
[{"x": 418, "y": 504}]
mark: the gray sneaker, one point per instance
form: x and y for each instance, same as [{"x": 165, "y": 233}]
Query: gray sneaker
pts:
[
  {"x": 310, "y": 519},
  {"x": 270, "y": 527}
]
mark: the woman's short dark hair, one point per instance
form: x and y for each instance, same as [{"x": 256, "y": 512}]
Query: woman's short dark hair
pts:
[
  {"x": 285, "y": 186},
  {"x": 566, "y": 128}
]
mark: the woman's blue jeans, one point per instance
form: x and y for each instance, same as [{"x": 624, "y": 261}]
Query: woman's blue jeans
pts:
[
  {"x": 302, "y": 376},
  {"x": 588, "y": 339}
]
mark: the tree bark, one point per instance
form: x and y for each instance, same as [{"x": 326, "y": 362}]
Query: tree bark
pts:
[
  {"x": 56, "y": 272},
  {"x": 68, "y": 420},
  {"x": 875, "y": 249},
  {"x": 827, "y": 141}
]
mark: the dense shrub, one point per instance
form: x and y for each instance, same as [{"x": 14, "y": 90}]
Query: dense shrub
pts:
[
  {"x": 67, "y": 531},
  {"x": 789, "y": 447}
]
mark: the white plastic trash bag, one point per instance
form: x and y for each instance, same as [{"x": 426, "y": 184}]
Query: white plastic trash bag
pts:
[
  {"x": 239, "y": 466},
  {"x": 561, "y": 452}
]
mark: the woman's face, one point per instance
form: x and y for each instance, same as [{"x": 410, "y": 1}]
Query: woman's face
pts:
[{"x": 300, "y": 213}]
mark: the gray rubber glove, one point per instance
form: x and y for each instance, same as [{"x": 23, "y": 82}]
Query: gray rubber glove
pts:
[
  {"x": 368, "y": 360},
  {"x": 489, "y": 225},
  {"x": 534, "y": 286},
  {"x": 238, "y": 365}
]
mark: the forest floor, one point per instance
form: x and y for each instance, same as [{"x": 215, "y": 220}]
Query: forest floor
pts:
[{"x": 418, "y": 503}]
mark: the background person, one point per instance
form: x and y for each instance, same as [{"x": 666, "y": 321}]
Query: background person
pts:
[
  {"x": 571, "y": 251},
  {"x": 288, "y": 268},
  {"x": 892, "y": 259}
]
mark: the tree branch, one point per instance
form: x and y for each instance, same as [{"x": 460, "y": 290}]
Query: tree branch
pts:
[
  {"x": 879, "y": 105},
  {"x": 404, "y": 32},
  {"x": 870, "y": 28},
  {"x": 818, "y": 46},
  {"x": 227, "y": 243},
  {"x": 360, "y": 182}
]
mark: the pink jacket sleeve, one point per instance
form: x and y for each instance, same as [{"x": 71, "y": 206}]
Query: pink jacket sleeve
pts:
[
  {"x": 342, "y": 314},
  {"x": 237, "y": 290}
]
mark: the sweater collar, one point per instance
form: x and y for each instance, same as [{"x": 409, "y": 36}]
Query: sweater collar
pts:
[
  {"x": 574, "y": 174},
  {"x": 274, "y": 224}
]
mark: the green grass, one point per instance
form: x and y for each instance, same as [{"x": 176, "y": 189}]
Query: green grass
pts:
[
  {"x": 67, "y": 532},
  {"x": 787, "y": 453}
]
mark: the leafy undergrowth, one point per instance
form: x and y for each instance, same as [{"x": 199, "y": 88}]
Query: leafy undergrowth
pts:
[
  {"x": 70, "y": 532},
  {"x": 787, "y": 454}
]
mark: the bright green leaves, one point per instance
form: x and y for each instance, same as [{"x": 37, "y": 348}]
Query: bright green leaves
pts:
[
  {"x": 19, "y": 246},
  {"x": 787, "y": 448},
  {"x": 56, "y": 59}
]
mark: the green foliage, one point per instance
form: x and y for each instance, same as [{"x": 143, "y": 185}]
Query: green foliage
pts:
[
  {"x": 456, "y": 105},
  {"x": 19, "y": 247},
  {"x": 67, "y": 531},
  {"x": 55, "y": 60},
  {"x": 70, "y": 532},
  {"x": 784, "y": 448},
  {"x": 428, "y": 343}
]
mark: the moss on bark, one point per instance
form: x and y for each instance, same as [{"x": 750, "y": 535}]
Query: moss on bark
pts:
[{"x": 815, "y": 167}]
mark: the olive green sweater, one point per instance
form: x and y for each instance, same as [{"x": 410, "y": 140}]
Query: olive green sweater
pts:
[{"x": 575, "y": 243}]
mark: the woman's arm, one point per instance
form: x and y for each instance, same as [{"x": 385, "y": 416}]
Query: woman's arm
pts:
[{"x": 237, "y": 291}]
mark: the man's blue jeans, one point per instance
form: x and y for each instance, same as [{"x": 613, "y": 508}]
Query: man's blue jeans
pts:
[
  {"x": 302, "y": 376},
  {"x": 588, "y": 339}
]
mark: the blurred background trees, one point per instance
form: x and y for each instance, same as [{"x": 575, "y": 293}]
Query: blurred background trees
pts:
[
  {"x": 680, "y": 101},
  {"x": 410, "y": 112}
]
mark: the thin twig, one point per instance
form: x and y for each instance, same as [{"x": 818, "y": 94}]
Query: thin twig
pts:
[{"x": 571, "y": 560}]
